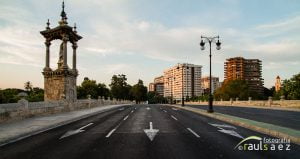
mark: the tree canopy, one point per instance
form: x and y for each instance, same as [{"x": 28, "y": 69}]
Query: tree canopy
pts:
[
  {"x": 90, "y": 87},
  {"x": 139, "y": 92},
  {"x": 119, "y": 87},
  {"x": 291, "y": 87},
  {"x": 233, "y": 89}
]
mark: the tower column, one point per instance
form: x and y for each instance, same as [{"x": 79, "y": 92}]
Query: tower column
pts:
[
  {"x": 47, "y": 43},
  {"x": 65, "y": 57},
  {"x": 74, "y": 46}
]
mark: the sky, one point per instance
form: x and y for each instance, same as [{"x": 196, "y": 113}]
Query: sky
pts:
[{"x": 142, "y": 38}]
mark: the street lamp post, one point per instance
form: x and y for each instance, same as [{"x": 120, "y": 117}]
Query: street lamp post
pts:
[
  {"x": 172, "y": 78},
  {"x": 202, "y": 44},
  {"x": 182, "y": 95}
]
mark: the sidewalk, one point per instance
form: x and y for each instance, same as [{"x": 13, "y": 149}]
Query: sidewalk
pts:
[
  {"x": 17, "y": 130},
  {"x": 248, "y": 106},
  {"x": 265, "y": 128}
]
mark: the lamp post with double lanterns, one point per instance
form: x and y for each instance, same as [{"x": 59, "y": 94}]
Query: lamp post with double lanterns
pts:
[
  {"x": 182, "y": 95},
  {"x": 218, "y": 47},
  {"x": 172, "y": 80}
]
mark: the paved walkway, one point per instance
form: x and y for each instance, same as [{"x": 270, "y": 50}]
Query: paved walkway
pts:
[{"x": 17, "y": 130}]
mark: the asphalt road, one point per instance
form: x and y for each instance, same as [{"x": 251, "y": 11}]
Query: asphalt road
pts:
[
  {"x": 289, "y": 119},
  {"x": 120, "y": 133}
]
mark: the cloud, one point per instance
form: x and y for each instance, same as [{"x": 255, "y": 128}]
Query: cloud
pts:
[{"x": 291, "y": 24}]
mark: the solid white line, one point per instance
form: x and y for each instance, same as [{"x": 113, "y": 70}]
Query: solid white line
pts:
[
  {"x": 174, "y": 117},
  {"x": 112, "y": 131},
  {"x": 86, "y": 126},
  {"x": 193, "y": 132},
  {"x": 126, "y": 117}
]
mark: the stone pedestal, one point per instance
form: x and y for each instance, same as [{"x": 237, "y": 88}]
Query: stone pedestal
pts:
[{"x": 60, "y": 85}]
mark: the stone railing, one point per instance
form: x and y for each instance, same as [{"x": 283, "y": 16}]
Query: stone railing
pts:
[
  {"x": 25, "y": 109},
  {"x": 263, "y": 103}
]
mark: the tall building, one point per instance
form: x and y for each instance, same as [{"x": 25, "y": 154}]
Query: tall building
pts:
[
  {"x": 182, "y": 79},
  {"x": 151, "y": 87},
  {"x": 157, "y": 86},
  {"x": 205, "y": 83},
  {"x": 277, "y": 84},
  {"x": 245, "y": 69}
]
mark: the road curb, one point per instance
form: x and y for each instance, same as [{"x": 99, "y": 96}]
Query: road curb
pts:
[
  {"x": 267, "y": 131},
  {"x": 53, "y": 126}
]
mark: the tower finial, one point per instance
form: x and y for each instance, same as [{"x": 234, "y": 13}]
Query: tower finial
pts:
[
  {"x": 63, "y": 13},
  {"x": 48, "y": 25},
  {"x": 75, "y": 31}
]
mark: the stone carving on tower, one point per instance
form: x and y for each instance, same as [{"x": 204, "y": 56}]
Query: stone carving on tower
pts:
[{"x": 60, "y": 83}]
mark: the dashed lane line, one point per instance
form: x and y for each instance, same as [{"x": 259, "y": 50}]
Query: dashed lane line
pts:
[
  {"x": 112, "y": 131},
  {"x": 126, "y": 117},
  {"x": 174, "y": 117},
  {"x": 193, "y": 132}
]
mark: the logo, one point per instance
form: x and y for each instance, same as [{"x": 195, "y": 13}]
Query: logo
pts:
[{"x": 256, "y": 143}]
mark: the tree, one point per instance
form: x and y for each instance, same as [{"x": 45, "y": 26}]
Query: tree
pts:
[
  {"x": 234, "y": 89},
  {"x": 36, "y": 95},
  {"x": 87, "y": 87},
  {"x": 119, "y": 87},
  {"x": 28, "y": 86},
  {"x": 154, "y": 97},
  {"x": 10, "y": 95},
  {"x": 291, "y": 87},
  {"x": 102, "y": 90},
  {"x": 139, "y": 92}
]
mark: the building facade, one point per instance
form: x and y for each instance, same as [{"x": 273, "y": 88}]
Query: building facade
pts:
[
  {"x": 151, "y": 87},
  {"x": 277, "y": 84},
  {"x": 182, "y": 80},
  {"x": 205, "y": 83},
  {"x": 157, "y": 86},
  {"x": 245, "y": 69}
]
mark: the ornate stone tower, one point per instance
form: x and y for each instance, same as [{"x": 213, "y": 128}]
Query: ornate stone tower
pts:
[
  {"x": 60, "y": 83},
  {"x": 277, "y": 84}
]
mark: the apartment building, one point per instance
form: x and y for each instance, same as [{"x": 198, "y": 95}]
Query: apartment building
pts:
[
  {"x": 182, "y": 80},
  {"x": 245, "y": 69},
  {"x": 205, "y": 83}
]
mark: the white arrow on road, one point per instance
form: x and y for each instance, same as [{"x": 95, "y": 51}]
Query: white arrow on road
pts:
[
  {"x": 73, "y": 132},
  {"x": 229, "y": 132},
  {"x": 151, "y": 132}
]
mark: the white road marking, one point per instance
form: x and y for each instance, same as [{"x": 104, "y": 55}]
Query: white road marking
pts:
[
  {"x": 126, "y": 117},
  {"x": 223, "y": 126},
  {"x": 151, "y": 132},
  {"x": 229, "y": 132},
  {"x": 132, "y": 111},
  {"x": 165, "y": 111},
  {"x": 174, "y": 109},
  {"x": 73, "y": 132},
  {"x": 121, "y": 108},
  {"x": 112, "y": 131},
  {"x": 86, "y": 126},
  {"x": 174, "y": 117},
  {"x": 148, "y": 108},
  {"x": 193, "y": 132}
]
